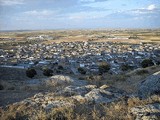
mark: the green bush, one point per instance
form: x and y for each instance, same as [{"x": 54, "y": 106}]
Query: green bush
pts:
[
  {"x": 31, "y": 72},
  {"x": 104, "y": 67},
  {"x": 81, "y": 70},
  {"x": 146, "y": 63},
  {"x": 60, "y": 67},
  {"x": 47, "y": 72},
  {"x": 1, "y": 87}
]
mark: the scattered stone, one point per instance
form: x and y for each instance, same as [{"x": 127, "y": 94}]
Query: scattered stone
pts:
[
  {"x": 72, "y": 90},
  {"x": 104, "y": 87},
  {"x": 79, "y": 98},
  {"x": 90, "y": 87},
  {"x": 49, "y": 102},
  {"x": 44, "y": 105},
  {"x": 49, "y": 106},
  {"x": 38, "y": 95}
]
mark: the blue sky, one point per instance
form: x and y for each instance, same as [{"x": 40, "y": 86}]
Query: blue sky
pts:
[{"x": 77, "y": 14}]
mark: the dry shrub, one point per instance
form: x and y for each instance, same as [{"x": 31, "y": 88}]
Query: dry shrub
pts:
[
  {"x": 135, "y": 101},
  {"x": 141, "y": 72},
  {"x": 144, "y": 71},
  {"x": 40, "y": 115},
  {"x": 119, "y": 77},
  {"x": 94, "y": 79},
  {"x": 80, "y": 112},
  {"x": 118, "y": 110},
  {"x": 63, "y": 113},
  {"x": 15, "y": 112},
  {"x": 153, "y": 67}
]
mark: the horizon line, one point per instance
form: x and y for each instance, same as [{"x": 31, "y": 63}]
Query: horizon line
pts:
[{"x": 23, "y": 30}]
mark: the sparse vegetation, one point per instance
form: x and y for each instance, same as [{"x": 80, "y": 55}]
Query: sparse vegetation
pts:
[
  {"x": 141, "y": 72},
  {"x": 47, "y": 72},
  {"x": 126, "y": 67}
]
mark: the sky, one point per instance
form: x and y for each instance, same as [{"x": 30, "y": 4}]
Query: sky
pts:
[{"x": 78, "y": 14}]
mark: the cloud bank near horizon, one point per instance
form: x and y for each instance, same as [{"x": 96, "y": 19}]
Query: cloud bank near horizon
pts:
[{"x": 75, "y": 14}]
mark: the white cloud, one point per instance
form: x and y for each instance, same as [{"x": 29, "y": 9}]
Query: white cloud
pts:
[
  {"x": 87, "y": 0},
  {"x": 151, "y": 7},
  {"x": 40, "y": 13},
  {"x": 87, "y": 15},
  {"x": 92, "y": 1},
  {"x": 11, "y": 2},
  {"x": 139, "y": 11}
]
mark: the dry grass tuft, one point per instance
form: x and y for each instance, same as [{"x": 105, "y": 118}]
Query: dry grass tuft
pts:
[{"x": 119, "y": 110}]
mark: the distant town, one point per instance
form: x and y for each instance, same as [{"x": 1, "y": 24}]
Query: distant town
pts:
[{"x": 85, "y": 54}]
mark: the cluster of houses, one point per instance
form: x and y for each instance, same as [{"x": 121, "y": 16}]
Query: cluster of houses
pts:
[
  {"x": 88, "y": 55},
  {"x": 40, "y": 37}
]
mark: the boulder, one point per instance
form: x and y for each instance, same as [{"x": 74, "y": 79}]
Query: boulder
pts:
[
  {"x": 79, "y": 98},
  {"x": 104, "y": 87},
  {"x": 74, "y": 90},
  {"x": 147, "y": 112},
  {"x": 99, "y": 96},
  {"x": 47, "y": 101},
  {"x": 62, "y": 78},
  {"x": 58, "y": 80},
  {"x": 90, "y": 87},
  {"x": 150, "y": 85},
  {"x": 91, "y": 93}
]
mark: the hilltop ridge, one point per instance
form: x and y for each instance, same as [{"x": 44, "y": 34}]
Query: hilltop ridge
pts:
[{"x": 68, "y": 96}]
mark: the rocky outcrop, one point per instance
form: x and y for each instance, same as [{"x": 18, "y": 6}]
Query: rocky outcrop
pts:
[
  {"x": 58, "y": 80},
  {"x": 99, "y": 96},
  {"x": 93, "y": 94},
  {"x": 70, "y": 95},
  {"x": 147, "y": 112},
  {"x": 73, "y": 90},
  {"x": 47, "y": 101},
  {"x": 150, "y": 86},
  {"x": 104, "y": 94}
]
